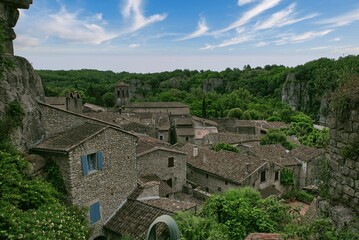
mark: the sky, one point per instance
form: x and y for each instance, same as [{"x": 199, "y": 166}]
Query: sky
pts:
[{"x": 164, "y": 35}]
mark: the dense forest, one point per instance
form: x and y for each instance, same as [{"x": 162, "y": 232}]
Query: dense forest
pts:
[{"x": 255, "y": 93}]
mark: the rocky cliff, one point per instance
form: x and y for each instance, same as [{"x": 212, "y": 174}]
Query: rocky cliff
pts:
[{"x": 22, "y": 83}]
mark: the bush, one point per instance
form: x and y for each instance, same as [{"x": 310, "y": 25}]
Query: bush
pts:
[{"x": 224, "y": 146}]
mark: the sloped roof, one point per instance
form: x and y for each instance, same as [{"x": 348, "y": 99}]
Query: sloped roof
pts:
[
  {"x": 269, "y": 191},
  {"x": 146, "y": 143},
  {"x": 275, "y": 153},
  {"x": 170, "y": 205},
  {"x": 185, "y": 131},
  {"x": 305, "y": 153},
  {"x": 183, "y": 121},
  {"x": 55, "y": 100},
  {"x": 205, "y": 121},
  {"x": 122, "y": 84},
  {"x": 134, "y": 218},
  {"x": 164, "y": 190},
  {"x": 65, "y": 141},
  {"x": 230, "y": 138},
  {"x": 155, "y": 105},
  {"x": 228, "y": 165}
]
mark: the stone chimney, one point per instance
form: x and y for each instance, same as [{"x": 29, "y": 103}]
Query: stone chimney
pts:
[{"x": 195, "y": 151}]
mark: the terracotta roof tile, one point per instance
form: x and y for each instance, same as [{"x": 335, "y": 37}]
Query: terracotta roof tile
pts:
[
  {"x": 232, "y": 166},
  {"x": 170, "y": 205},
  {"x": 230, "y": 138},
  {"x": 134, "y": 218},
  {"x": 275, "y": 153},
  {"x": 305, "y": 153},
  {"x": 185, "y": 131},
  {"x": 65, "y": 141}
]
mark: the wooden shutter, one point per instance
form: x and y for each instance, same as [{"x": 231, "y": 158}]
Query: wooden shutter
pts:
[
  {"x": 84, "y": 165},
  {"x": 99, "y": 160},
  {"x": 95, "y": 214}
]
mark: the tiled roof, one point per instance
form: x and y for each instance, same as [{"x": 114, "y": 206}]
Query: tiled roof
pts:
[
  {"x": 305, "y": 153},
  {"x": 230, "y": 138},
  {"x": 165, "y": 189},
  {"x": 170, "y": 205},
  {"x": 185, "y": 131},
  {"x": 65, "y": 141},
  {"x": 245, "y": 123},
  {"x": 205, "y": 121},
  {"x": 155, "y": 105},
  {"x": 55, "y": 100},
  {"x": 181, "y": 121},
  {"x": 228, "y": 165},
  {"x": 271, "y": 125},
  {"x": 269, "y": 191},
  {"x": 94, "y": 107},
  {"x": 146, "y": 143},
  {"x": 134, "y": 218},
  {"x": 275, "y": 153},
  {"x": 264, "y": 236}
]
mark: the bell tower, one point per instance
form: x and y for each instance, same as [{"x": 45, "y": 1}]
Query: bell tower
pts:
[{"x": 122, "y": 93}]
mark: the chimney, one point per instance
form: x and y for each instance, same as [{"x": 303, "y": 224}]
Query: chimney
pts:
[
  {"x": 195, "y": 151},
  {"x": 247, "y": 168}
]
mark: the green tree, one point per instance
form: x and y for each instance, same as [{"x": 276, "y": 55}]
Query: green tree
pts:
[
  {"x": 235, "y": 113},
  {"x": 224, "y": 146},
  {"x": 275, "y": 136}
]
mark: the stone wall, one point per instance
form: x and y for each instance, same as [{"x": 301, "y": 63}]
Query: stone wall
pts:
[
  {"x": 344, "y": 183},
  {"x": 109, "y": 186},
  {"x": 156, "y": 162}
]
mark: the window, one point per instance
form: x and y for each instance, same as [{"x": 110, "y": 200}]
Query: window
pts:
[
  {"x": 187, "y": 139},
  {"x": 91, "y": 162},
  {"x": 161, "y": 137},
  {"x": 171, "y": 162},
  {"x": 276, "y": 176},
  {"x": 95, "y": 213},
  {"x": 219, "y": 189},
  {"x": 263, "y": 176},
  {"x": 226, "y": 182},
  {"x": 207, "y": 189},
  {"x": 206, "y": 175}
]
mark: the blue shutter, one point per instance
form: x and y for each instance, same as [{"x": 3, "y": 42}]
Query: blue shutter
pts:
[
  {"x": 84, "y": 165},
  {"x": 95, "y": 214},
  {"x": 99, "y": 160}
]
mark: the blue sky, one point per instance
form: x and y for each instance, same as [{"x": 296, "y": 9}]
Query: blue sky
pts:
[{"x": 164, "y": 35}]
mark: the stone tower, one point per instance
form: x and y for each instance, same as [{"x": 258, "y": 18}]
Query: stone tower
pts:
[{"x": 122, "y": 93}]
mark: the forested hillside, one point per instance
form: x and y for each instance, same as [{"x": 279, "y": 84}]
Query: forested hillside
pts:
[{"x": 256, "y": 92}]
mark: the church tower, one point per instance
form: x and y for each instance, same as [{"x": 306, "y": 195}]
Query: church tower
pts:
[{"x": 122, "y": 94}]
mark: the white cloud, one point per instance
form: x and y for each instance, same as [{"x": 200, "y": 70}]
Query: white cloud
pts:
[
  {"x": 202, "y": 29},
  {"x": 282, "y": 18},
  {"x": 261, "y": 44},
  {"x": 230, "y": 42},
  {"x": 285, "y": 39},
  {"x": 243, "y": 2},
  {"x": 70, "y": 27},
  {"x": 337, "y": 39},
  {"x": 23, "y": 41},
  {"x": 249, "y": 15},
  {"x": 134, "y": 45},
  {"x": 133, "y": 10},
  {"x": 342, "y": 20}
]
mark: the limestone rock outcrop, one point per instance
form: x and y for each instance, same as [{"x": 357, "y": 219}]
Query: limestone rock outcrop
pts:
[{"x": 23, "y": 84}]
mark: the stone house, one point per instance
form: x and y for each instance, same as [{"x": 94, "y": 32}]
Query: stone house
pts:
[
  {"x": 310, "y": 159},
  {"x": 157, "y": 157},
  {"x": 218, "y": 171},
  {"x": 97, "y": 161},
  {"x": 277, "y": 154},
  {"x": 140, "y": 209},
  {"x": 202, "y": 127},
  {"x": 171, "y": 108},
  {"x": 183, "y": 129},
  {"x": 72, "y": 102},
  {"x": 241, "y": 141}
]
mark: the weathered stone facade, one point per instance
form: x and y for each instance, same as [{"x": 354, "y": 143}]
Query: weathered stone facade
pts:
[
  {"x": 156, "y": 161},
  {"x": 344, "y": 183}
]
